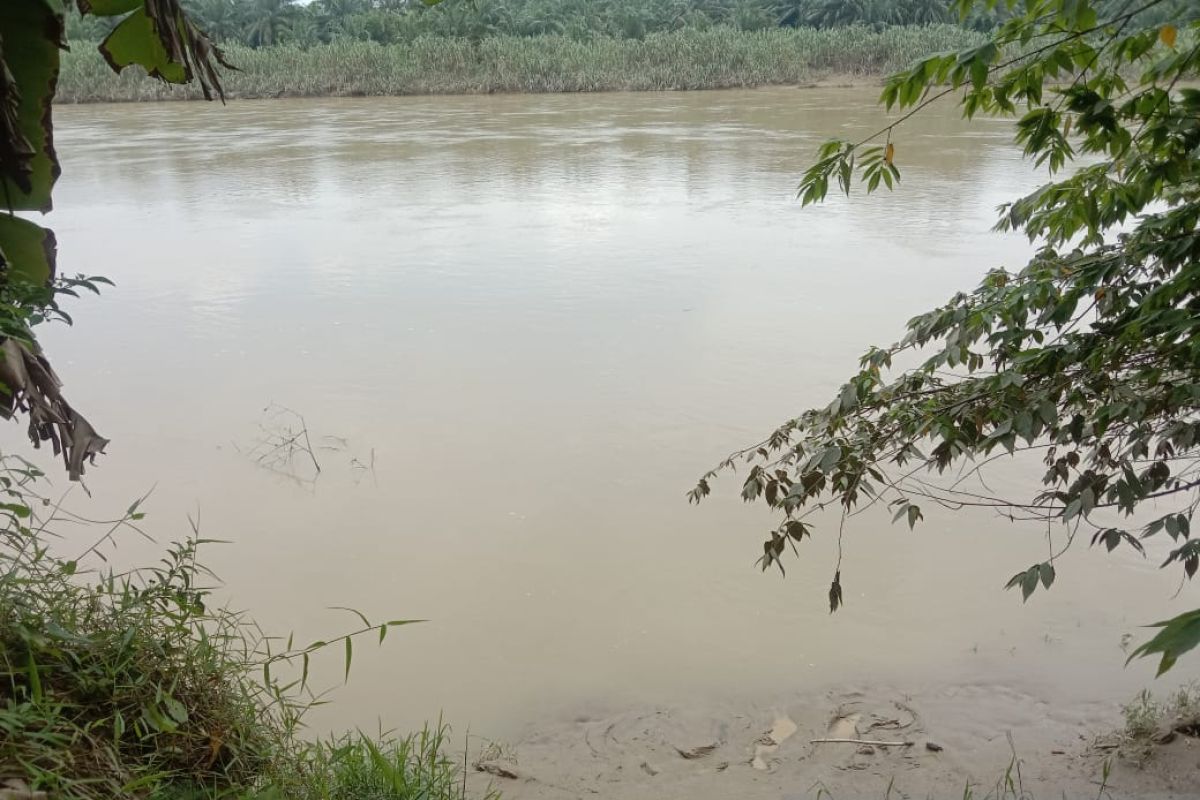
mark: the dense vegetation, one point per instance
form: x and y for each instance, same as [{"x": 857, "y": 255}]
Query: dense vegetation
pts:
[
  {"x": 462, "y": 46},
  {"x": 1084, "y": 366},
  {"x": 688, "y": 59},
  {"x": 259, "y": 23}
]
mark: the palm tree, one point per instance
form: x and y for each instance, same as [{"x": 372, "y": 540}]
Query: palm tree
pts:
[
  {"x": 267, "y": 19},
  {"x": 220, "y": 19},
  {"x": 925, "y": 12}
]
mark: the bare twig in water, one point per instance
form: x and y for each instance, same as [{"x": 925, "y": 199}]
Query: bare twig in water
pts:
[
  {"x": 285, "y": 439},
  {"x": 860, "y": 741},
  {"x": 284, "y": 445}
]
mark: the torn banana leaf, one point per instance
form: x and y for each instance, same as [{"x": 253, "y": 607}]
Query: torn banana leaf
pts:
[
  {"x": 31, "y": 34},
  {"x": 159, "y": 37}
]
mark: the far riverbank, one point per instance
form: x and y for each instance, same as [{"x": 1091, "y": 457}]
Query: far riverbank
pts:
[{"x": 719, "y": 58}]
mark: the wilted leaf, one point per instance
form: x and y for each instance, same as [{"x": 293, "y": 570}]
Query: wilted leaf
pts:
[
  {"x": 835, "y": 592},
  {"x": 1167, "y": 34}
]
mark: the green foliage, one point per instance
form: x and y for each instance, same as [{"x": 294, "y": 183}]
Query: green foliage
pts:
[
  {"x": 689, "y": 59},
  {"x": 1089, "y": 357},
  {"x": 133, "y": 684},
  {"x": 356, "y": 767},
  {"x": 266, "y": 22}
]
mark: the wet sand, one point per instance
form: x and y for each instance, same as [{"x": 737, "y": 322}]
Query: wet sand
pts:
[{"x": 936, "y": 743}]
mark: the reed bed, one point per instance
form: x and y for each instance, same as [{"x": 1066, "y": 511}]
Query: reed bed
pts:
[{"x": 688, "y": 59}]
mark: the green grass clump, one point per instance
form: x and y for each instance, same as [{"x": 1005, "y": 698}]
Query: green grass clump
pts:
[
  {"x": 356, "y": 767},
  {"x": 717, "y": 58},
  {"x": 1150, "y": 722},
  {"x": 132, "y": 684}
]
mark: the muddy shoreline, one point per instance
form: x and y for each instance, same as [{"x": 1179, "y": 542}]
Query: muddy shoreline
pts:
[
  {"x": 956, "y": 741},
  {"x": 167, "y": 94}
]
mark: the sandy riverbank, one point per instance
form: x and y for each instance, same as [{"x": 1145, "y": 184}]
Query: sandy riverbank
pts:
[{"x": 962, "y": 741}]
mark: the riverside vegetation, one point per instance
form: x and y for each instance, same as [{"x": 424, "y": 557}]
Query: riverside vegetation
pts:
[
  {"x": 132, "y": 683},
  {"x": 398, "y": 47},
  {"x": 714, "y": 58}
]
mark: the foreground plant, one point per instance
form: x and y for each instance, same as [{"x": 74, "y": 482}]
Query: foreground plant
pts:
[
  {"x": 1088, "y": 358},
  {"x": 134, "y": 684}
]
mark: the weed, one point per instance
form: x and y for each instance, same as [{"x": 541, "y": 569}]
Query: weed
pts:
[{"x": 1149, "y": 722}]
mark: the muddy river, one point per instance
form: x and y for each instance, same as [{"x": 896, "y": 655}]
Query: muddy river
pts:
[{"x": 518, "y": 329}]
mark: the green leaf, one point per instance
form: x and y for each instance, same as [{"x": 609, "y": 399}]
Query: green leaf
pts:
[
  {"x": 1028, "y": 580},
  {"x": 914, "y": 514},
  {"x": 30, "y": 36},
  {"x": 157, "y": 720},
  {"x": 135, "y": 41},
  {"x": 1047, "y": 574},
  {"x": 35, "y": 677},
  {"x": 175, "y": 709},
  {"x": 110, "y": 8},
  {"x": 349, "y": 657},
  {"x": 1178, "y": 635},
  {"x": 17, "y": 509},
  {"x": 27, "y": 251},
  {"x": 1072, "y": 510},
  {"x": 1029, "y": 583}
]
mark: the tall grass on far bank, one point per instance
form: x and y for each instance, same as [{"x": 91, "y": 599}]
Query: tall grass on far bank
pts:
[
  {"x": 687, "y": 59},
  {"x": 131, "y": 684}
]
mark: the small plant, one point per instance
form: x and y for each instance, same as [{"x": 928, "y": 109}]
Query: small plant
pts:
[
  {"x": 357, "y": 767},
  {"x": 133, "y": 684},
  {"x": 1150, "y": 722}
]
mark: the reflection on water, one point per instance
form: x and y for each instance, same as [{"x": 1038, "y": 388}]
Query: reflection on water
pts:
[{"x": 546, "y": 316}]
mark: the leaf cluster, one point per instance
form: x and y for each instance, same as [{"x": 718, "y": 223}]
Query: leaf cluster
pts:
[{"x": 1088, "y": 357}]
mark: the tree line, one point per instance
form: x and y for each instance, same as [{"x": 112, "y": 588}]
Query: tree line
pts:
[{"x": 260, "y": 23}]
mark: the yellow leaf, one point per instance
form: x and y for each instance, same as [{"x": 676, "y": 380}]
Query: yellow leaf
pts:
[
  {"x": 888, "y": 153},
  {"x": 1166, "y": 34},
  {"x": 1067, "y": 127}
]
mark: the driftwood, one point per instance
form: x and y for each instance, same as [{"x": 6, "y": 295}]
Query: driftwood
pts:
[
  {"x": 697, "y": 752},
  {"x": 498, "y": 769}
]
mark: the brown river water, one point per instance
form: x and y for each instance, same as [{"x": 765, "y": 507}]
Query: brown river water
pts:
[{"x": 541, "y": 318}]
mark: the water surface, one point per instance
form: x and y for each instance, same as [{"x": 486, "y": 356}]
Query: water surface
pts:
[{"x": 543, "y": 317}]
